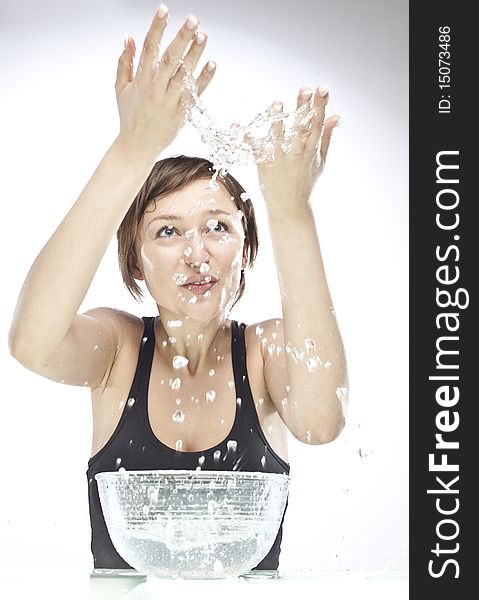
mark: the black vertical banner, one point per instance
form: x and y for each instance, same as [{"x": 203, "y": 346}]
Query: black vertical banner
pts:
[{"x": 444, "y": 259}]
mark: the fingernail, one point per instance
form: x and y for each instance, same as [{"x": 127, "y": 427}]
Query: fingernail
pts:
[
  {"x": 323, "y": 91},
  {"x": 162, "y": 11},
  {"x": 337, "y": 121},
  {"x": 211, "y": 66},
  {"x": 125, "y": 42},
  {"x": 306, "y": 93},
  {"x": 191, "y": 22},
  {"x": 277, "y": 106},
  {"x": 200, "y": 38}
]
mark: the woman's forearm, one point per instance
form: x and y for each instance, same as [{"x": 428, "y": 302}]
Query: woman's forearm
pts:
[
  {"x": 315, "y": 355},
  {"x": 63, "y": 271}
]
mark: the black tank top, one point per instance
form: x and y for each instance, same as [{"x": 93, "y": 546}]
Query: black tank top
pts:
[{"x": 134, "y": 446}]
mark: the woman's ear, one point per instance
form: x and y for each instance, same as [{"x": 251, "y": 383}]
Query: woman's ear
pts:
[{"x": 135, "y": 269}]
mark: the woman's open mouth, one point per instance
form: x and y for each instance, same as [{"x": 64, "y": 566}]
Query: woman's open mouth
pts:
[{"x": 200, "y": 287}]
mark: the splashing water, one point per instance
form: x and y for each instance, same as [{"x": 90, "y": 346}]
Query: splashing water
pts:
[{"x": 241, "y": 144}]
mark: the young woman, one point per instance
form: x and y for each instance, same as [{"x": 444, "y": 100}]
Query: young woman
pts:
[{"x": 188, "y": 388}]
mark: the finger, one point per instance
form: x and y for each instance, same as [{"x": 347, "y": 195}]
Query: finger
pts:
[
  {"x": 175, "y": 52},
  {"x": 277, "y": 126},
  {"x": 205, "y": 77},
  {"x": 151, "y": 46},
  {"x": 124, "y": 73},
  {"x": 320, "y": 100},
  {"x": 303, "y": 104},
  {"x": 187, "y": 67},
  {"x": 329, "y": 125}
]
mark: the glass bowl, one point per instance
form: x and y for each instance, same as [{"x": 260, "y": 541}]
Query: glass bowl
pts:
[{"x": 192, "y": 524}]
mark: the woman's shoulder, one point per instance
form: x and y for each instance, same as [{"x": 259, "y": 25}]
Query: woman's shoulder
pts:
[
  {"x": 261, "y": 334},
  {"x": 125, "y": 325}
]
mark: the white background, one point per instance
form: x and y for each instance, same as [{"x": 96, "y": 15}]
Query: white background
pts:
[{"x": 58, "y": 116}]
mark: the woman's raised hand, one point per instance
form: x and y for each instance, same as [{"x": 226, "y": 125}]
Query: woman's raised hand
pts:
[
  {"x": 149, "y": 101},
  {"x": 288, "y": 176}
]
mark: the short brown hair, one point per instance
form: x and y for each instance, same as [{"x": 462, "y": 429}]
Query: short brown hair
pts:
[{"x": 169, "y": 175}]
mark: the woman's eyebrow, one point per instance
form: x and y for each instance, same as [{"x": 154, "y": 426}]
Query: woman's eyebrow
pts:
[{"x": 176, "y": 217}]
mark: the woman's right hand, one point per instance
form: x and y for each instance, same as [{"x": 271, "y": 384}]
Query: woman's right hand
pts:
[{"x": 149, "y": 101}]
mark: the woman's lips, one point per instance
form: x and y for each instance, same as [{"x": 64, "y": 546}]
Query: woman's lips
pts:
[{"x": 200, "y": 288}]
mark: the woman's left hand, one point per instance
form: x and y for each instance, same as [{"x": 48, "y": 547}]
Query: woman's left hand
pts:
[{"x": 288, "y": 176}]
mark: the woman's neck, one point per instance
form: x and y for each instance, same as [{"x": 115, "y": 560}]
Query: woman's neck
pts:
[{"x": 199, "y": 342}]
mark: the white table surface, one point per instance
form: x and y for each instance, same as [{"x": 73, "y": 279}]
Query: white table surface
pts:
[{"x": 72, "y": 584}]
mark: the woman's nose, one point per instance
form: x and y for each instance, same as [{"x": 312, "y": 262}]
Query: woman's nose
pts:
[{"x": 196, "y": 253}]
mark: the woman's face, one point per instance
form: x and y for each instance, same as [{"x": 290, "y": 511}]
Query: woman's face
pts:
[{"x": 190, "y": 251}]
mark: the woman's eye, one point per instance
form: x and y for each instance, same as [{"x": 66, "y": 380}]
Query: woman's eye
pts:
[
  {"x": 218, "y": 226},
  {"x": 166, "y": 232}
]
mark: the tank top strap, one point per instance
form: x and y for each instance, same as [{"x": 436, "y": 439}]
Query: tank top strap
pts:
[
  {"x": 238, "y": 350},
  {"x": 145, "y": 360}
]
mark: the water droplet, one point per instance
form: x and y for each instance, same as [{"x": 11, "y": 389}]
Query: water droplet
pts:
[
  {"x": 210, "y": 395},
  {"x": 193, "y": 300},
  {"x": 211, "y": 223},
  {"x": 175, "y": 323},
  {"x": 244, "y": 196},
  {"x": 259, "y": 330},
  {"x": 308, "y": 436},
  {"x": 179, "y": 361},
  {"x": 216, "y": 455},
  {"x": 171, "y": 339},
  {"x": 211, "y": 372},
  {"x": 263, "y": 461},
  {"x": 327, "y": 364},
  {"x": 176, "y": 384},
  {"x": 309, "y": 344},
  {"x": 238, "y": 402},
  {"x": 188, "y": 251},
  {"x": 131, "y": 401},
  {"x": 232, "y": 445},
  {"x": 118, "y": 462},
  {"x": 231, "y": 384},
  {"x": 200, "y": 337},
  {"x": 180, "y": 278},
  {"x": 178, "y": 416},
  {"x": 179, "y": 444},
  {"x": 260, "y": 401},
  {"x": 204, "y": 267},
  {"x": 189, "y": 234},
  {"x": 312, "y": 363},
  {"x": 201, "y": 461},
  {"x": 95, "y": 347}
]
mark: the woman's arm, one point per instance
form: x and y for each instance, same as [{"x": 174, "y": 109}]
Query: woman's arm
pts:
[
  {"x": 47, "y": 335},
  {"x": 307, "y": 376}
]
